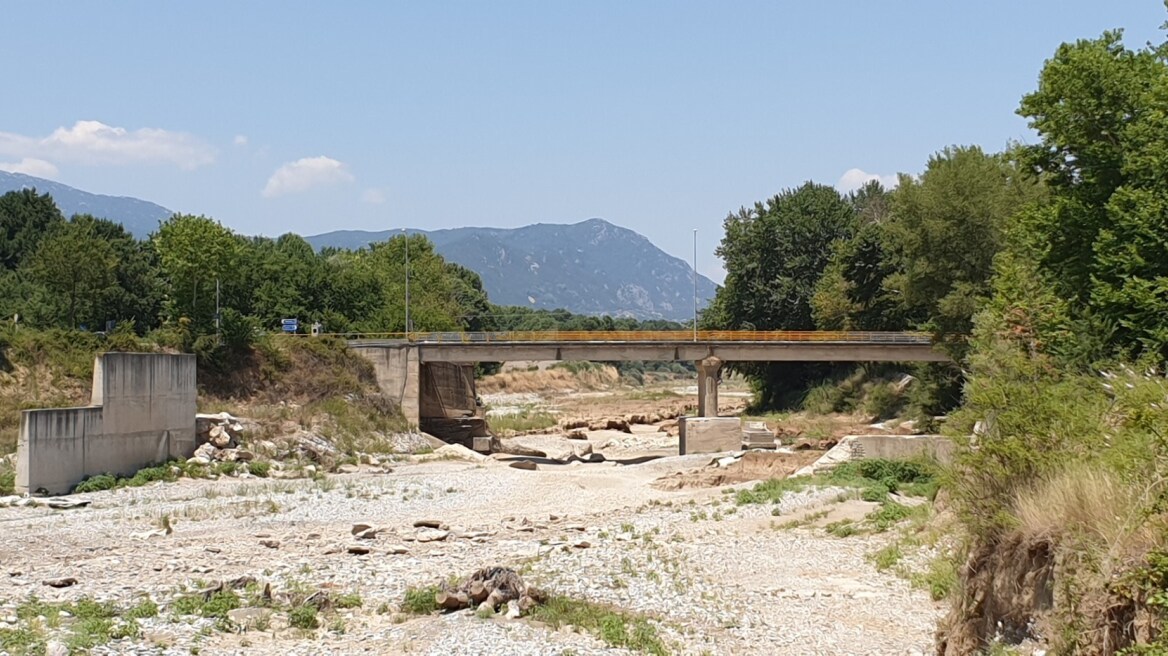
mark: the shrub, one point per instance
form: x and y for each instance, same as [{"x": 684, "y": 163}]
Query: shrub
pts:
[
  {"x": 303, "y": 617},
  {"x": 97, "y": 483},
  {"x": 420, "y": 601}
]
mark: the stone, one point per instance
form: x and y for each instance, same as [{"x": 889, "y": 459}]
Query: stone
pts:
[
  {"x": 398, "y": 550},
  {"x": 582, "y": 451},
  {"x": 431, "y": 535},
  {"x": 9, "y": 500},
  {"x": 360, "y": 528},
  {"x": 526, "y": 465},
  {"x": 367, "y": 534},
  {"x": 349, "y": 469},
  {"x": 513, "y": 611},
  {"x": 359, "y": 550},
  {"x": 582, "y": 544},
  {"x": 249, "y": 617},
  {"x": 428, "y": 523},
  {"x": 63, "y": 582},
  {"x": 481, "y": 444},
  {"x": 577, "y": 434},
  {"x": 56, "y": 648},
  {"x": 271, "y": 544},
  {"x": 219, "y": 437},
  {"x": 67, "y": 504}
]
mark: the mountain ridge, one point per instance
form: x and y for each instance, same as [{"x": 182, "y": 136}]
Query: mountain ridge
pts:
[
  {"x": 589, "y": 267},
  {"x": 139, "y": 217}
]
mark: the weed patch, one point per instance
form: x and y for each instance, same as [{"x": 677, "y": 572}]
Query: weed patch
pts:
[{"x": 616, "y": 628}]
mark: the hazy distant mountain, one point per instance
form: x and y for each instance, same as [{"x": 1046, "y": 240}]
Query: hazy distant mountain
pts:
[
  {"x": 138, "y": 216},
  {"x": 592, "y": 267}
]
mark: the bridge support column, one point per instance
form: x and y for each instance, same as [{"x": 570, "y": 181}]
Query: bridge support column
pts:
[{"x": 708, "y": 370}]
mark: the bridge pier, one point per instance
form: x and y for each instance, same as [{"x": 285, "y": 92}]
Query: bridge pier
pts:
[{"x": 708, "y": 370}]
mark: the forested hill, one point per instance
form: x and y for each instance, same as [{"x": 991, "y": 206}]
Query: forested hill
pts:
[
  {"x": 138, "y": 217},
  {"x": 591, "y": 267}
]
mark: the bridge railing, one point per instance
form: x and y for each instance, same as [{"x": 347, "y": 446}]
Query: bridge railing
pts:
[{"x": 585, "y": 336}]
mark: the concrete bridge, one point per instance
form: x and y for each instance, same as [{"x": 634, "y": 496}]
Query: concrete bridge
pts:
[{"x": 431, "y": 374}]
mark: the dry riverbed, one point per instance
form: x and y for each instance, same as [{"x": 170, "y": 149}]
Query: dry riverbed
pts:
[{"x": 708, "y": 575}]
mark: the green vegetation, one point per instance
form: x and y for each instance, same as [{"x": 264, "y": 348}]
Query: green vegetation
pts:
[
  {"x": 874, "y": 479},
  {"x": 81, "y": 625},
  {"x": 616, "y": 628},
  {"x": 304, "y": 617},
  {"x": 420, "y": 601}
]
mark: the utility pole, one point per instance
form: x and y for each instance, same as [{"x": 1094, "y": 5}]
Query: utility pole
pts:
[
  {"x": 695, "y": 281},
  {"x": 406, "y": 236}
]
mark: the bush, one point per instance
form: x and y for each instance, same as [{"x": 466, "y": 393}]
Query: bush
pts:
[
  {"x": 420, "y": 601},
  {"x": 303, "y": 617},
  {"x": 259, "y": 468},
  {"x": 97, "y": 483}
]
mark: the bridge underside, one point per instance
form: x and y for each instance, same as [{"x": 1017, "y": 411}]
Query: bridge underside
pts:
[{"x": 434, "y": 383}]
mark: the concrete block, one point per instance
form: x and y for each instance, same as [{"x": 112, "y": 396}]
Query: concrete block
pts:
[
  {"x": 142, "y": 412},
  {"x": 481, "y": 444},
  {"x": 709, "y": 434}
]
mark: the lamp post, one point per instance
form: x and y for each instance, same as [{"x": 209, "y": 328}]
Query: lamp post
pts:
[
  {"x": 695, "y": 282},
  {"x": 406, "y": 237}
]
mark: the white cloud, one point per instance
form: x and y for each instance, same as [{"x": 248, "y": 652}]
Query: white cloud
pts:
[
  {"x": 853, "y": 179},
  {"x": 240, "y": 140},
  {"x": 30, "y": 166},
  {"x": 373, "y": 196},
  {"x": 304, "y": 174},
  {"x": 94, "y": 142}
]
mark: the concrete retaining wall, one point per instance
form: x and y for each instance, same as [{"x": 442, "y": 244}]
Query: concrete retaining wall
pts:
[{"x": 142, "y": 412}]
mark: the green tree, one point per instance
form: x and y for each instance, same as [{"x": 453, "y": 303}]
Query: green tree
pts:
[
  {"x": 25, "y": 217},
  {"x": 1099, "y": 110},
  {"x": 75, "y": 264},
  {"x": 944, "y": 230},
  {"x": 775, "y": 254},
  {"x": 195, "y": 251}
]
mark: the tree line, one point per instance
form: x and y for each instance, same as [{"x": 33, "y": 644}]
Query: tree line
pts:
[{"x": 84, "y": 272}]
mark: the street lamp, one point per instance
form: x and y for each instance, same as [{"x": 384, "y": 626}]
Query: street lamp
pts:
[
  {"x": 695, "y": 281},
  {"x": 406, "y": 237}
]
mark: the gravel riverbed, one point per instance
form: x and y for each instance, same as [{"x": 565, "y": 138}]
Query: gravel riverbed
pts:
[{"x": 714, "y": 577}]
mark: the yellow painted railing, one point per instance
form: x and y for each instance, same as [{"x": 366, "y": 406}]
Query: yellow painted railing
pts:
[{"x": 582, "y": 336}]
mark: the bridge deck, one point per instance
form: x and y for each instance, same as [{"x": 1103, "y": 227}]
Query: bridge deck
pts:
[{"x": 730, "y": 346}]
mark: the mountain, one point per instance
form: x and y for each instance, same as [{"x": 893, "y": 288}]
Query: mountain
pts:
[
  {"x": 138, "y": 216},
  {"x": 592, "y": 267}
]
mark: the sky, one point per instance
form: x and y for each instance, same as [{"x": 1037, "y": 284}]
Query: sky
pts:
[{"x": 662, "y": 117}]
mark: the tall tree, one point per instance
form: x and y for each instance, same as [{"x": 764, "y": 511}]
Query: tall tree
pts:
[
  {"x": 944, "y": 230},
  {"x": 775, "y": 254},
  {"x": 25, "y": 217},
  {"x": 75, "y": 264},
  {"x": 1099, "y": 110},
  {"x": 194, "y": 252}
]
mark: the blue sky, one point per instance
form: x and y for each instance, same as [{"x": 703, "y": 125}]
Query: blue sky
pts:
[{"x": 658, "y": 116}]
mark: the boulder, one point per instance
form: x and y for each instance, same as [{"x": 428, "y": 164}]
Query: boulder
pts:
[{"x": 526, "y": 465}]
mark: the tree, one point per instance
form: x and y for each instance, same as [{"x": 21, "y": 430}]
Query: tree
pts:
[
  {"x": 1099, "y": 110},
  {"x": 944, "y": 230},
  {"x": 74, "y": 263},
  {"x": 852, "y": 293},
  {"x": 194, "y": 251},
  {"x": 775, "y": 254},
  {"x": 25, "y": 218}
]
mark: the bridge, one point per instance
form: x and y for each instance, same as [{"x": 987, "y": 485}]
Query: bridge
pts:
[{"x": 431, "y": 373}]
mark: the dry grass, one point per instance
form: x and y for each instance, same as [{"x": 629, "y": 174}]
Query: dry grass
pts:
[
  {"x": 548, "y": 380},
  {"x": 1088, "y": 503}
]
